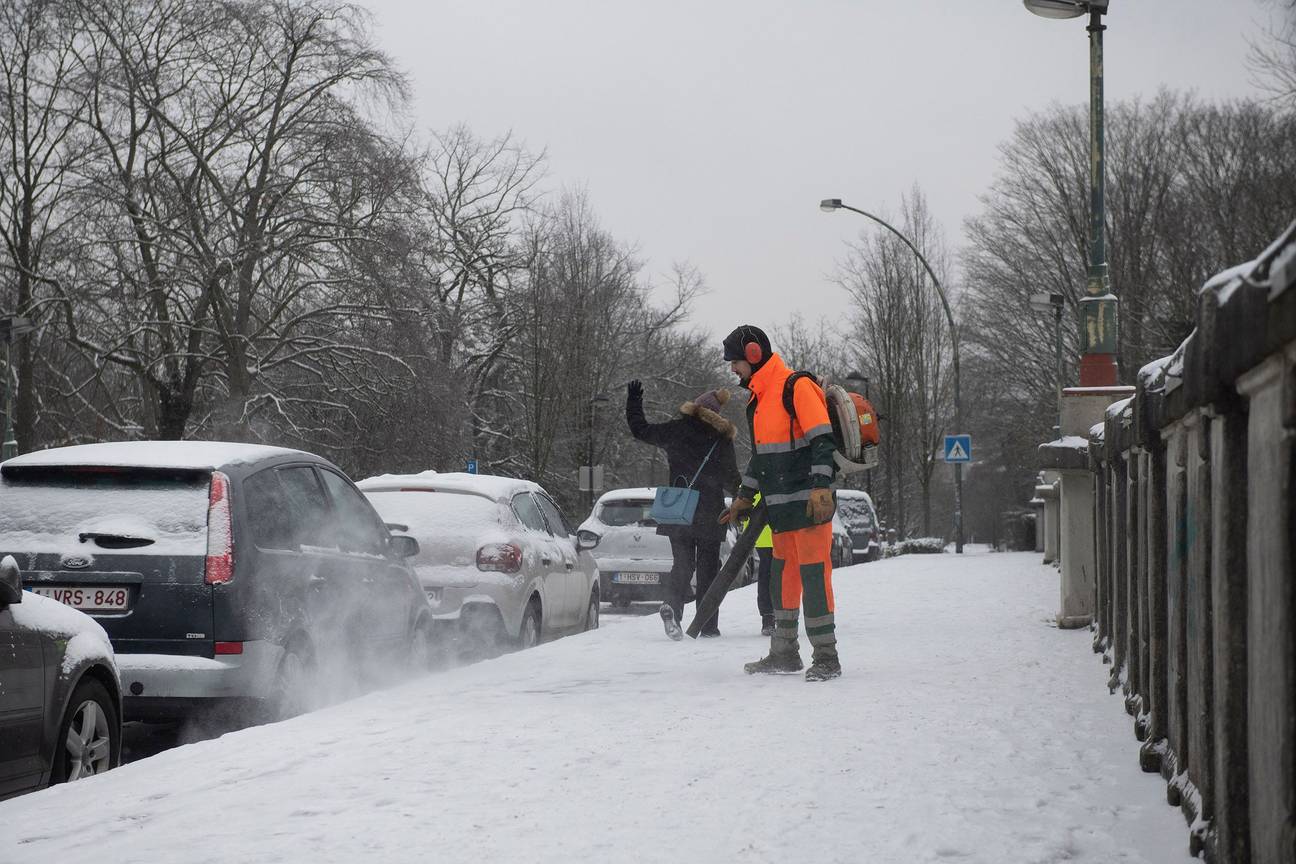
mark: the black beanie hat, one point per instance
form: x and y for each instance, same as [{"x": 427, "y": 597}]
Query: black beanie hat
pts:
[{"x": 735, "y": 342}]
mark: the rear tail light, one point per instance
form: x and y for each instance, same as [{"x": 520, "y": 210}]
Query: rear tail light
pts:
[
  {"x": 500, "y": 557},
  {"x": 229, "y": 647},
  {"x": 220, "y": 533}
]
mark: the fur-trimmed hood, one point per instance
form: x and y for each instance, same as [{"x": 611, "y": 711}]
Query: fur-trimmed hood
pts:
[{"x": 712, "y": 418}]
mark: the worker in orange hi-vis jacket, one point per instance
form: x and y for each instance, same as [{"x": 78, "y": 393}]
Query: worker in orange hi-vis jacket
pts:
[{"x": 792, "y": 468}]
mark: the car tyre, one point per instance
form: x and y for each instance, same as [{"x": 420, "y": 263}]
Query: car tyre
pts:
[
  {"x": 425, "y": 649},
  {"x": 89, "y": 740},
  {"x": 592, "y": 612},
  {"x": 529, "y": 629},
  {"x": 292, "y": 682}
]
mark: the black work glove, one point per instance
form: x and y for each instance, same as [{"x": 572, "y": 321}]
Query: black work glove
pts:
[{"x": 634, "y": 391}]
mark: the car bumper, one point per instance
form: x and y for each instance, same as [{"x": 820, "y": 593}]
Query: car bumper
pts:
[{"x": 174, "y": 679}]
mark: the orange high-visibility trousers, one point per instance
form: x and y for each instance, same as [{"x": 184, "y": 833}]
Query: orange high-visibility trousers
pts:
[{"x": 802, "y": 574}]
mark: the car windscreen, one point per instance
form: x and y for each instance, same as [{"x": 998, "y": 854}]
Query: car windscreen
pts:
[
  {"x": 625, "y": 511},
  {"x": 102, "y": 511}
]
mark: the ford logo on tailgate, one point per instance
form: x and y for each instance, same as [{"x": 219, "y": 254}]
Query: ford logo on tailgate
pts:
[{"x": 74, "y": 562}]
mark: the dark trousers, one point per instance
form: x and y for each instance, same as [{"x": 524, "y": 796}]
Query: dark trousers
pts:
[
  {"x": 764, "y": 604},
  {"x": 691, "y": 554}
]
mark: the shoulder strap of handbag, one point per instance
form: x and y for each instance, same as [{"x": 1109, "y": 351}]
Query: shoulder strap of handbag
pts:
[{"x": 698, "y": 473}]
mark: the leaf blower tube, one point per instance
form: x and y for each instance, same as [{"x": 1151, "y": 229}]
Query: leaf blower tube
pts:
[{"x": 710, "y": 602}]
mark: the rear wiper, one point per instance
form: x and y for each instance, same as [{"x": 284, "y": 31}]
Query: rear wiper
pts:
[{"x": 114, "y": 541}]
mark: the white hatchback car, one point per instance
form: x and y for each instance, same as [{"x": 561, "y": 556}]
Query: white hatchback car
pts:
[
  {"x": 633, "y": 559},
  {"x": 496, "y": 555}
]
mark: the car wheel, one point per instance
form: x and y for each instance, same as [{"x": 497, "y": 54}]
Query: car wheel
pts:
[
  {"x": 292, "y": 683},
  {"x": 529, "y": 632},
  {"x": 424, "y": 651},
  {"x": 592, "y": 613},
  {"x": 89, "y": 739}
]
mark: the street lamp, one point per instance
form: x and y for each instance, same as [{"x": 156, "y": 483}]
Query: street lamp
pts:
[
  {"x": 1098, "y": 308},
  {"x": 11, "y": 328},
  {"x": 828, "y": 205},
  {"x": 1045, "y": 301}
]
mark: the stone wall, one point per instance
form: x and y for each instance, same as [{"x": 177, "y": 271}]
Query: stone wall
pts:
[{"x": 1195, "y": 606}]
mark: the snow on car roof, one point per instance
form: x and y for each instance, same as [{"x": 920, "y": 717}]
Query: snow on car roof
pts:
[
  {"x": 488, "y": 485},
  {"x": 857, "y": 494},
  {"x": 628, "y": 494},
  {"x": 153, "y": 454}
]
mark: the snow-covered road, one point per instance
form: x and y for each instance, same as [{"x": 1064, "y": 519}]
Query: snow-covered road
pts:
[{"x": 965, "y": 728}]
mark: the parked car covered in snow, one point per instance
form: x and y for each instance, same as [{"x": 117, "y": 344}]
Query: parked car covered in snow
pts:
[
  {"x": 633, "y": 559},
  {"x": 498, "y": 558},
  {"x": 841, "y": 543},
  {"x": 60, "y": 697},
  {"x": 855, "y": 508},
  {"x": 220, "y": 572}
]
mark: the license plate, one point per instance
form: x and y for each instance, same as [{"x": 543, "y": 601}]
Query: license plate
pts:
[
  {"x": 88, "y": 598},
  {"x": 637, "y": 578}
]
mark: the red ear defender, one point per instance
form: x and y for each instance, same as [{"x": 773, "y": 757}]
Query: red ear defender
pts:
[{"x": 752, "y": 351}]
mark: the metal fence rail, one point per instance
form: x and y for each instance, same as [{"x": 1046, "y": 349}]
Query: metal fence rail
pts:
[{"x": 1195, "y": 600}]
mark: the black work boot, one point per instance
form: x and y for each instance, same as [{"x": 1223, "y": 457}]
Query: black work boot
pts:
[
  {"x": 775, "y": 664},
  {"x": 824, "y": 665},
  {"x": 668, "y": 621}
]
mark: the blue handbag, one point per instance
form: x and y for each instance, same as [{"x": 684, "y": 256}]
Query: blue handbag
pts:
[{"x": 676, "y": 505}]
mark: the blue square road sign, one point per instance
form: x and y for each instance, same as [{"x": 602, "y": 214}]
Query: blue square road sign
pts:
[
  {"x": 472, "y": 466},
  {"x": 958, "y": 448}
]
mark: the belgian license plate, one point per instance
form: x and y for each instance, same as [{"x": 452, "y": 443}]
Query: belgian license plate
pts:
[
  {"x": 637, "y": 578},
  {"x": 88, "y": 598}
]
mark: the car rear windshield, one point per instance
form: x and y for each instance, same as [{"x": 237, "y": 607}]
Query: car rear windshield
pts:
[
  {"x": 626, "y": 512},
  {"x": 855, "y": 512},
  {"x": 102, "y": 511},
  {"x": 436, "y": 513}
]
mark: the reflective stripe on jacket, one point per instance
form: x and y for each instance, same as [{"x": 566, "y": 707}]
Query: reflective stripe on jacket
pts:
[
  {"x": 789, "y": 457},
  {"x": 764, "y": 540}
]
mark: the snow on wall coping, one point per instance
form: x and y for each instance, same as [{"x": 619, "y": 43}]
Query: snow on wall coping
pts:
[
  {"x": 1069, "y": 442},
  {"x": 1115, "y": 409},
  {"x": 1152, "y": 376},
  {"x": 154, "y": 454},
  {"x": 490, "y": 485},
  {"x": 1226, "y": 282}
]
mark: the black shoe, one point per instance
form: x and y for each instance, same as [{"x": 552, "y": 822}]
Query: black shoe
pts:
[
  {"x": 668, "y": 620},
  {"x": 767, "y": 625},
  {"x": 775, "y": 664},
  {"x": 823, "y": 670}
]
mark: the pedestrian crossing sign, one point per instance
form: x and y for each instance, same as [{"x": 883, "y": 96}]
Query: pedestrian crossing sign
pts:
[{"x": 958, "y": 448}]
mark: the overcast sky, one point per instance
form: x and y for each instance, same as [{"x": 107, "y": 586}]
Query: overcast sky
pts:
[{"x": 709, "y": 130}]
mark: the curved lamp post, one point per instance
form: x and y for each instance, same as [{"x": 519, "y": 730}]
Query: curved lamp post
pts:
[
  {"x": 828, "y": 205},
  {"x": 1098, "y": 308}
]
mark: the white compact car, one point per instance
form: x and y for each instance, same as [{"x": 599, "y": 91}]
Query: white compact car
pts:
[
  {"x": 497, "y": 557},
  {"x": 633, "y": 559}
]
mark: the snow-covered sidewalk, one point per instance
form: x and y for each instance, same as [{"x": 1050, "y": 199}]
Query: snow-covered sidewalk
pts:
[{"x": 965, "y": 727}]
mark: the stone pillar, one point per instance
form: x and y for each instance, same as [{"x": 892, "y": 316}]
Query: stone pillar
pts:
[
  {"x": 1052, "y": 519},
  {"x": 1082, "y": 409}
]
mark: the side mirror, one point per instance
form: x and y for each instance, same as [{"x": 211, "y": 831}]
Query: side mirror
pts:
[
  {"x": 11, "y": 589},
  {"x": 404, "y": 546},
  {"x": 586, "y": 540}
]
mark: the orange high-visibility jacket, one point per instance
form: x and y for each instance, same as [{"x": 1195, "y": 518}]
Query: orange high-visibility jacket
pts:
[{"x": 789, "y": 456}]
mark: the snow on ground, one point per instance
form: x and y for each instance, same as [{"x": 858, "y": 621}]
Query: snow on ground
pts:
[{"x": 965, "y": 728}]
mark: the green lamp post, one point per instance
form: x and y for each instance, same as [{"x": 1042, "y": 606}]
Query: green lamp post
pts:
[{"x": 1098, "y": 308}]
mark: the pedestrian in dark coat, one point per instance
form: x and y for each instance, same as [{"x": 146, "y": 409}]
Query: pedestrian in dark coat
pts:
[{"x": 687, "y": 439}]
